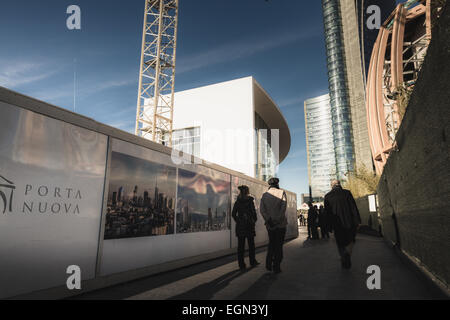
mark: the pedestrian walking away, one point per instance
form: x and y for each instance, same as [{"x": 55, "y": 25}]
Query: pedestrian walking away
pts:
[
  {"x": 273, "y": 210},
  {"x": 323, "y": 223},
  {"x": 244, "y": 214},
  {"x": 312, "y": 222},
  {"x": 345, "y": 220}
]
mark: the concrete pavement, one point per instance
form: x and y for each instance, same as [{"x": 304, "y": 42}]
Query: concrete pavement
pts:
[{"x": 310, "y": 270}]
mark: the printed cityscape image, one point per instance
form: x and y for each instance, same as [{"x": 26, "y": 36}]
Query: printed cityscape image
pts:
[
  {"x": 141, "y": 198},
  {"x": 203, "y": 203}
]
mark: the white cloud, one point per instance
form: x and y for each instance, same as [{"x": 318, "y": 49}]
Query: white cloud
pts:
[
  {"x": 292, "y": 101},
  {"x": 301, "y": 100},
  {"x": 16, "y": 73},
  {"x": 99, "y": 85},
  {"x": 123, "y": 125},
  {"x": 240, "y": 49}
]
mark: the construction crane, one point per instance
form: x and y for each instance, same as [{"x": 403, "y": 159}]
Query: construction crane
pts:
[{"x": 154, "y": 114}]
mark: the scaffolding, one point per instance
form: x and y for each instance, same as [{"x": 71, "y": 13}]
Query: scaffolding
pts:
[
  {"x": 154, "y": 114},
  {"x": 409, "y": 57},
  {"x": 397, "y": 59}
]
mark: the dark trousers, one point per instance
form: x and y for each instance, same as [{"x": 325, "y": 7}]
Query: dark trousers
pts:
[
  {"x": 275, "y": 249},
  {"x": 251, "y": 250},
  {"x": 324, "y": 232},
  {"x": 313, "y": 233},
  {"x": 341, "y": 250},
  {"x": 344, "y": 237}
]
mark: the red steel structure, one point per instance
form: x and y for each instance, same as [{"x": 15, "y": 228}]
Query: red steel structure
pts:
[{"x": 396, "y": 60}]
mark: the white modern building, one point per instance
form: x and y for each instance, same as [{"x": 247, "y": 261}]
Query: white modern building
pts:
[{"x": 235, "y": 124}]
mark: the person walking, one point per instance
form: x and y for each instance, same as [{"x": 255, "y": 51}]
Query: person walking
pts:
[
  {"x": 323, "y": 222},
  {"x": 244, "y": 214},
  {"x": 315, "y": 226},
  {"x": 308, "y": 220},
  {"x": 312, "y": 222},
  {"x": 273, "y": 210},
  {"x": 345, "y": 220},
  {"x": 302, "y": 220}
]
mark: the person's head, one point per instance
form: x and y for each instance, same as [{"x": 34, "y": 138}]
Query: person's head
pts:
[
  {"x": 243, "y": 191},
  {"x": 335, "y": 183},
  {"x": 321, "y": 206},
  {"x": 309, "y": 204},
  {"x": 274, "y": 183},
  {"x": 315, "y": 207}
]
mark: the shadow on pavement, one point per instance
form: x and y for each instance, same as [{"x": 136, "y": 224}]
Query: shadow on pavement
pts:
[
  {"x": 135, "y": 287},
  {"x": 206, "y": 291},
  {"x": 318, "y": 242},
  {"x": 366, "y": 230},
  {"x": 260, "y": 289}
]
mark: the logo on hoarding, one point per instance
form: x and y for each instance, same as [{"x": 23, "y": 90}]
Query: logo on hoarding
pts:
[
  {"x": 39, "y": 198},
  {"x": 9, "y": 187}
]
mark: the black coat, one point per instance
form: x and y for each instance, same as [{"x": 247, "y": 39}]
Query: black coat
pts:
[
  {"x": 312, "y": 217},
  {"x": 323, "y": 219},
  {"x": 340, "y": 204},
  {"x": 244, "y": 214}
]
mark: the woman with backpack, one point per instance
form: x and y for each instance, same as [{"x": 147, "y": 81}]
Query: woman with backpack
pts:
[{"x": 244, "y": 214}]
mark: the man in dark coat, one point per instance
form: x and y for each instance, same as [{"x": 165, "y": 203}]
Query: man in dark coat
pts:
[
  {"x": 323, "y": 222},
  {"x": 345, "y": 220},
  {"x": 244, "y": 214}
]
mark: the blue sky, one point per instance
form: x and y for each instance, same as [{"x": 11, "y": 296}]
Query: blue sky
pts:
[{"x": 278, "y": 42}]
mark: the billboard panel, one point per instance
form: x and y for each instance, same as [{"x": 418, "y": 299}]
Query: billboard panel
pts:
[
  {"x": 203, "y": 202},
  {"x": 141, "y": 198},
  {"x": 139, "y": 229},
  {"x": 51, "y": 193}
]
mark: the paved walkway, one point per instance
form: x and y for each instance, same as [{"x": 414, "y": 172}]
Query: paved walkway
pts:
[{"x": 311, "y": 270}]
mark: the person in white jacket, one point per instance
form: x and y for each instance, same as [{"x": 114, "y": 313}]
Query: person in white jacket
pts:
[{"x": 273, "y": 210}]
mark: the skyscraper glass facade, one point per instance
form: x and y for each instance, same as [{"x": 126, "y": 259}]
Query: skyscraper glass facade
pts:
[
  {"x": 339, "y": 96},
  {"x": 320, "y": 146},
  {"x": 349, "y": 40}
]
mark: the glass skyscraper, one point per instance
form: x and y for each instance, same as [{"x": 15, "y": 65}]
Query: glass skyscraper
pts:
[
  {"x": 339, "y": 95},
  {"x": 348, "y": 44},
  {"x": 319, "y": 144}
]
